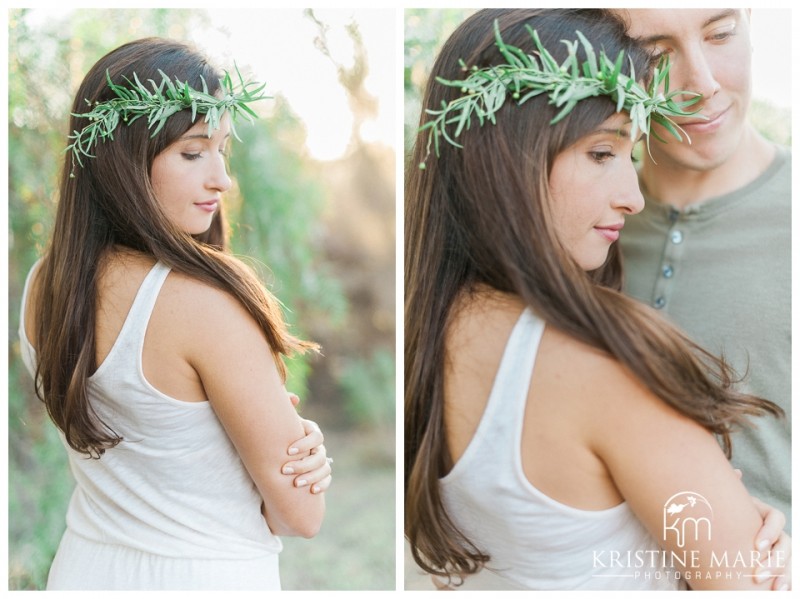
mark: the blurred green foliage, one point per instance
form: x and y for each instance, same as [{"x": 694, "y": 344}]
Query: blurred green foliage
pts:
[
  {"x": 275, "y": 216},
  {"x": 282, "y": 225},
  {"x": 365, "y": 381},
  {"x": 774, "y": 122}
]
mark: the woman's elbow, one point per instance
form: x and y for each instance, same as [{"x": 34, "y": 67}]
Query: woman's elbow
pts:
[
  {"x": 300, "y": 522},
  {"x": 309, "y": 529}
]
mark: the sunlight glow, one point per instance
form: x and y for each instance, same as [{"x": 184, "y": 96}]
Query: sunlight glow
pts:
[{"x": 279, "y": 47}]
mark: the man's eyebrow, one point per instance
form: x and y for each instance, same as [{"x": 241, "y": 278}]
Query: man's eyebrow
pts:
[{"x": 723, "y": 14}]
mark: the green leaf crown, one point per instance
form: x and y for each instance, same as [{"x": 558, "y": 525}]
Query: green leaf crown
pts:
[
  {"x": 524, "y": 76},
  {"x": 159, "y": 102}
]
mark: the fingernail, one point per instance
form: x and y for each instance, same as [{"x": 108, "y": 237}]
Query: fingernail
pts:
[
  {"x": 302, "y": 482},
  {"x": 763, "y": 544},
  {"x": 293, "y": 451},
  {"x": 762, "y": 576},
  {"x": 315, "y": 489},
  {"x": 288, "y": 470}
]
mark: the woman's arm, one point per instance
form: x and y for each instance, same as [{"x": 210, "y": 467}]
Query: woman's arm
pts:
[
  {"x": 238, "y": 372},
  {"x": 677, "y": 481}
]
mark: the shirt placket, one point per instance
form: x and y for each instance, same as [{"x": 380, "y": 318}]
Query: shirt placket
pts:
[{"x": 672, "y": 256}]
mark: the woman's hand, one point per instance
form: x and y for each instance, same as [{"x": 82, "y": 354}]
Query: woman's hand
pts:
[
  {"x": 314, "y": 470},
  {"x": 772, "y": 539}
]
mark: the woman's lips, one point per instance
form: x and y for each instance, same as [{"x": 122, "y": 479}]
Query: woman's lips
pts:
[
  {"x": 209, "y": 206},
  {"x": 610, "y": 232}
]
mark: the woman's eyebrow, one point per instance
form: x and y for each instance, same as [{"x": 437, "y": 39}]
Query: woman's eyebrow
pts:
[
  {"x": 200, "y": 136},
  {"x": 621, "y": 131}
]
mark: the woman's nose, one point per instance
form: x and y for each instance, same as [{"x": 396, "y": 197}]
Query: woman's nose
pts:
[
  {"x": 628, "y": 196},
  {"x": 218, "y": 177}
]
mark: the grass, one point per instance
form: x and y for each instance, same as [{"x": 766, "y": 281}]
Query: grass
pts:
[{"x": 355, "y": 550}]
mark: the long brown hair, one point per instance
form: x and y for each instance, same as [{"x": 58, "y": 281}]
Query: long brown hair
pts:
[
  {"x": 479, "y": 216},
  {"x": 107, "y": 202}
]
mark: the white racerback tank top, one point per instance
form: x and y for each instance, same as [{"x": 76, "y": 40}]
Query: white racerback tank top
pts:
[
  {"x": 175, "y": 486},
  {"x": 535, "y": 542}
]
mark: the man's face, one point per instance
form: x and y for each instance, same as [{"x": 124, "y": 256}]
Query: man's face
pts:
[{"x": 709, "y": 52}]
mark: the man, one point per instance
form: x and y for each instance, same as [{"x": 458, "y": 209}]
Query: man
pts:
[{"x": 712, "y": 246}]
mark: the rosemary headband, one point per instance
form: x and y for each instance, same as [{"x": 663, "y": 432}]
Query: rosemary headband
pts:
[
  {"x": 158, "y": 104},
  {"x": 524, "y": 76}
]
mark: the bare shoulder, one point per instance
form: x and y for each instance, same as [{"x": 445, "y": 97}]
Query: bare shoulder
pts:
[
  {"x": 477, "y": 321},
  {"x": 603, "y": 385},
  {"x": 190, "y": 315},
  {"x": 207, "y": 304},
  {"x": 204, "y": 316},
  {"x": 582, "y": 364},
  {"x": 477, "y": 331}
]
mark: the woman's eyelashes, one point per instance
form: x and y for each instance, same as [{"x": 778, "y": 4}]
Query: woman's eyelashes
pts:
[
  {"x": 190, "y": 156},
  {"x": 601, "y": 156}
]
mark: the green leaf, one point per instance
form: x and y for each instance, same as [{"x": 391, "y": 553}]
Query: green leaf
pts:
[{"x": 591, "y": 58}]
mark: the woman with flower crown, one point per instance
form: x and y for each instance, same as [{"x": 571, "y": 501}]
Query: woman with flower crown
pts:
[
  {"x": 558, "y": 435},
  {"x": 158, "y": 354}
]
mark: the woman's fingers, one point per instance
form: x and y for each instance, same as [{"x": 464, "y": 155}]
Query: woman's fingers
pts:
[
  {"x": 772, "y": 527},
  {"x": 313, "y": 438},
  {"x": 322, "y": 485},
  {"x": 313, "y": 471}
]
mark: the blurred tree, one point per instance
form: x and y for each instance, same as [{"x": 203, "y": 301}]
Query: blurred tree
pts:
[
  {"x": 276, "y": 219},
  {"x": 359, "y": 243}
]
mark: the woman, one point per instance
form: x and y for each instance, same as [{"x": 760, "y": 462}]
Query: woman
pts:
[
  {"x": 551, "y": 423},
  {"x": 159, "y": 355}
]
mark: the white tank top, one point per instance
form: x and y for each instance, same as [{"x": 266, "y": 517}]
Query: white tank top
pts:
[
  {"x": 175, "y": 486},
  {"x": 535, "y": 542}
]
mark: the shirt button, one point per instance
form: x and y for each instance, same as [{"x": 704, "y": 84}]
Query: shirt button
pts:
[
  {"x": 659, "y": 303},
  {"x": 667, "y": 272},
  {"x": 676, "y": 237}
]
